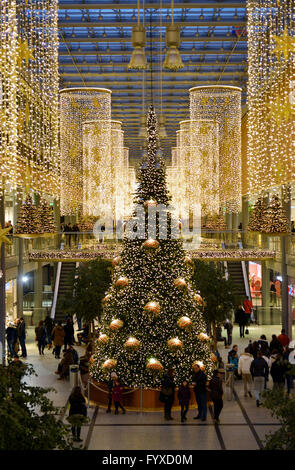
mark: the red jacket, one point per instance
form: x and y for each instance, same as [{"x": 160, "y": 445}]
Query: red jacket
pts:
[
  {"x": 247, "y": 306},
  {"x": 284, "y": 340},
  {"x": 117, "y": 393}
]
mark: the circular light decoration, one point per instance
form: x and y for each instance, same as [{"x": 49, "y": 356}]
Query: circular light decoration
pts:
[
  {"x": 116, "y": 324},
  {"x": 106, "y": 299},
  {"x": 122, "y": 282},
  {"x": 199, "y": 299},
  {"x": 200, "y": 364},
  {"x": 132, "y": 343},
  {"x": 151, "y": 244},
  {"x": 116, "y": 261},
  {"x": 174, "y": 343},
  {"x": 154, "y": 364},
  {"x": 180, "y": 283},
  {"x": 109, "y": 364},
  {"x": 203, "y": 337},
  {"x": 150, "y": 203},
  {"x": 184, "y": 322},
  {"x": 222, "y": 104},
  {"x": 103, "y": 338},
  {"x": 153, "y": 307}
]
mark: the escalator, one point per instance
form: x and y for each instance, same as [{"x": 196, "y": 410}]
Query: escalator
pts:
[
  {"x": 235, "y": 273},
  {"x": 63, "y": 290}
]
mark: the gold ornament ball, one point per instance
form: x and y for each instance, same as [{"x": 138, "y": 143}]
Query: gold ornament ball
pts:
[
  {"x": 154, "y": 364},
  {"x": 103, "y": 338},
  {"x": 116, "y": 261},
  {"x": 188, "y": 261},
  {"x": 122, "y": 282},
  {"x": 174, "y": 343},
  {"x": 200, "y": 364},
  {"x": 150, "y": 203},
  {"x": 203, "y": 337},
  {"x": 106, "y": 299},
  {"x": 151, "y": 244},
  {"x": 132, "y": 343},
  {"x": 109, "y": 364},
  {"x": 180, "y": 283},
  {"x": 184, "y": 322},
  {"x": 116, "y": 324},
  {"x": 213, "y": 357},
  {"x": 199, "y": 299},
  {"x": 153, "y": 307}
]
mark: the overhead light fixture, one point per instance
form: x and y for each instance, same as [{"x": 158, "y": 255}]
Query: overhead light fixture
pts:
[
  {"x": 100, "y": 16},
  {"x": 138, "y": 58},
  {"x": 133, "y": 16},
  {"x": 104, "y": 35},
  {"x": 161, "y": 127},
  {"x": 173, "y": 59},
  {"x": 142, "y": 130},
  {"x": 67, "y": 17},
  {"x": 201, "y": 15},
  {"x": 236, "y": 15}
]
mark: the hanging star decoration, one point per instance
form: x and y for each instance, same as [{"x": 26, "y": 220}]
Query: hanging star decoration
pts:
[
  {"x": 285, "y": 45},
  {"x": 280, "y": 110},
  {"x": 24, "y": 52},
  {"x": 3, "y": 237}
]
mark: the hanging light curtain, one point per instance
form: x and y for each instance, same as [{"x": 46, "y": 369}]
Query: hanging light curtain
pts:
[
  {"x": 173, "y": 59},
  {"x": 138, "y": 59},
  {"x": 161, "y": 122}
]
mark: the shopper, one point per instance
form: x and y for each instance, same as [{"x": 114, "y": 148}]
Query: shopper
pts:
[
  {"x": 58, "y": 334},
  {"x": 245, "y": 362},
  {"x": 167, "y": 393},
  {"x": 41, "y": 335},
  {"x": 234, "y": 360},
  {"x": 283, "y": 338},
  {"x": 275, "y": 344},
  {"x": 233, "y": 351},
  {"x": 48, "y": 322},
  {"x": 228, "y": 326},
  {"x": 241, "y": 320},
  {"x": 215, "y": 387},
  {"x": 69, "y": 334},
  {"x": 258, "y": 369},
  {"x": 84, "y": 371},
  {"x": 11, "y": 338},
  {"x": 184, "y": 395},
  {"x": 278, "y": 371},
  {"x": 63, "y": 369},
  {"x": 118, "y": 397},
  {"x": 248, "y": 306},
  {"x": 263, "y": 345},
  {"x": 111, "y": 384},
  {"x": 21, "y": 333},
  {"x": 77, "y": 407},
  {"x": 199, "y": 379}
]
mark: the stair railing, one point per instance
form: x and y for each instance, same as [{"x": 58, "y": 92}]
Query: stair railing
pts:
[{"x": 56, "y": 287}]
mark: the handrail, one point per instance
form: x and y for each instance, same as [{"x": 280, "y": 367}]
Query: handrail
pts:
[{"x": 56, "y": 287}]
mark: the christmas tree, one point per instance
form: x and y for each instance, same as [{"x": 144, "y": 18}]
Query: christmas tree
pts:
[
  {"x": 257, "y": 217},
  {"x": 215, "y": 222},
  {"x": 28, "y": 221},
  {"x": 275, "y": 220},
  {"x": 152, "y": 318},
  {"x": 46, "y": 217}
]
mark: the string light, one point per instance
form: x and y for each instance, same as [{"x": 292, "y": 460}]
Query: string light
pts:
[
  {"x": 222, "y": 104},
  {"x": 271, "y": 128},
  {"x": 29, "y": 95}
]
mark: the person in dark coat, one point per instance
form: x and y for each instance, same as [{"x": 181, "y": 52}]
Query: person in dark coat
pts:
[
  {"x": 259, "y": 370},
  {"x": 228, "y": 326},
  {"x": 275, "y": 344},
  {"x": 215, "y": 386},
  {"x": 278, "y": 371},
  {"x": 48, "y": 322},
  {"x": 241, "y": 320},
  {"x": 184, "y": 395},
  {"x": 263, "y": 345},
  {"x": 11, "y": 337},
  {"x": 111, "y": 384},
  {"x": 167, "y": 393},
  {"x": 21, "y": 333},
  {"x": 41, "y": 335},
  {"x": 199, "y": 381},
  {"x": 118, "y": 397},
  {"x": 69, "y": 333},
  {"x": 63, "y": 369},
  {"x": 77, "y": 407}
]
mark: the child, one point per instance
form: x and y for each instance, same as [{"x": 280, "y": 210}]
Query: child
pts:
[
  {"x": 184, "y": 395},
  {"x": 118, "y": 397}
]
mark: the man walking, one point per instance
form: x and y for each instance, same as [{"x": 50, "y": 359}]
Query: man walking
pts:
[
  {"x": 259, "y": 370},
  {"x": 21, "y": 333},
  {"x": 199, "y": 380},
  {"x": 245, "y": 362},
  {"x": 247, "y": 304}
]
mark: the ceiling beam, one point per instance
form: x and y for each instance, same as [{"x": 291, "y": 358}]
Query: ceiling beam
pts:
[
  {"x": 155, "y": 24},
  {"x": 173, "y": 90},
  {"x": 125, "y": 64},
  {"x": 126, "y": 39},
  {"x": 150, "y": 6},
  {"x": 155, "y": 52}
]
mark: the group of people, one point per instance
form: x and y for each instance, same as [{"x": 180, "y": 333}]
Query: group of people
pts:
[
  {"x": 70, "y": 231},
  {"x": 16, "y": 337},
  {"x": 261, "y": 359}
]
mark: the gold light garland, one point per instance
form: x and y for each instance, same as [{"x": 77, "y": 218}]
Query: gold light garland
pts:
[
  {"x": 29, "y": 94},
  {"x": 77, "y": 105},
  {"x": 271, "y": 88},
  {"x": 222, "y": 104}
]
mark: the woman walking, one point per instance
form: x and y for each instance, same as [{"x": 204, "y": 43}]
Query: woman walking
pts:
[
  {"x": 58, "y": 335},
  {"x": 118, "y": 397},
  {"x": 41, "y": 335},
  {"x": 77, "y": 407},
  {"x": 184, "y": 395},
  {"x": 167, "y": 393},
  {"x": 215, "y": 386}
]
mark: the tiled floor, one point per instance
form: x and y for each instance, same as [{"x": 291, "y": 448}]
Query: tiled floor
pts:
[{"x": 243, "y": 425}]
